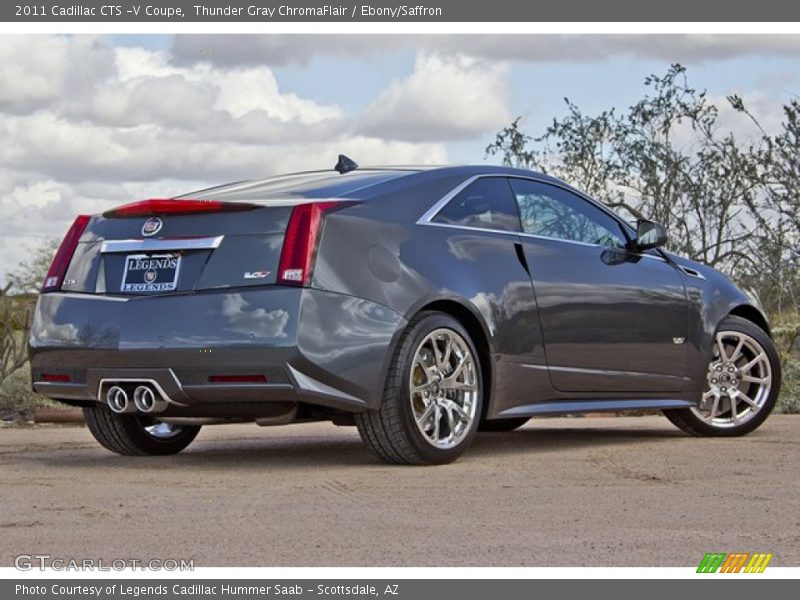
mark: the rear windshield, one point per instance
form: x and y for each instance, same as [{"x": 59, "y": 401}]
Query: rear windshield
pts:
[{"x": 324, "y": 184}]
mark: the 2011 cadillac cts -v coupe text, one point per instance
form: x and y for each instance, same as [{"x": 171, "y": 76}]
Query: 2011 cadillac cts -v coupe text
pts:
[{"x": 419, "y": 304}]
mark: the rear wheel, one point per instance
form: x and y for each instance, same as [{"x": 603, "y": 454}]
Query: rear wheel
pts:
[
  {"x": 137, "y": 435},
  {"x": 742, "y": 383},
  {"x": 432, "y": 397},
  {"x": 503, "y": 424}
]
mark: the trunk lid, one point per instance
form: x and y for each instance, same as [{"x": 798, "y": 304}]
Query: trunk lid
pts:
[{"x": 171, "y": 252}]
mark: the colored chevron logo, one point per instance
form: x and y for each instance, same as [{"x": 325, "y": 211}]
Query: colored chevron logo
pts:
[{"x": 737, "y": 562}]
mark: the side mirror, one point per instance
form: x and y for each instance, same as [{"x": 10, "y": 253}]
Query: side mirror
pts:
[{"x": 649, "y": 235}]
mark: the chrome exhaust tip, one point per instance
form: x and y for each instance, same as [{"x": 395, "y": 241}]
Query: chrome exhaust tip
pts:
[
  {"x": 146, "y": 400},
  {"x": 117, "y": 400}
]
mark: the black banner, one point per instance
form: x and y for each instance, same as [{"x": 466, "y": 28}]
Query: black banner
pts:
[
  {"x": 403, "y": 589},
  {"x": 265, "y": 11}
]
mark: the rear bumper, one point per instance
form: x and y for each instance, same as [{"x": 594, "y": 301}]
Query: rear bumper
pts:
[{"x": 311, "y": 346}]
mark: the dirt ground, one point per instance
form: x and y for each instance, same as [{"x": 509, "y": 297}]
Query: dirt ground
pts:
[{"x": 628, "y": 491}]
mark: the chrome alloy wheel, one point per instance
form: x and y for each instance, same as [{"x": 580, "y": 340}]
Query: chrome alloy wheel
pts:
[
  {"x": 738, "y": 383},
  {"x": 444, "y": 388}
]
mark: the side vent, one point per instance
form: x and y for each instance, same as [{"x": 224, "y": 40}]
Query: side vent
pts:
[{"x": 691, "y": 272}]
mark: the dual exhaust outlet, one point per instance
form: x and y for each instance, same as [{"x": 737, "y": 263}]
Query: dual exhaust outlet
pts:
[{"x": 129, "y": 399}]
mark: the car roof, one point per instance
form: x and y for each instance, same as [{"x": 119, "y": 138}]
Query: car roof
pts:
[
  {"x": 308, "y": 184},
  {"x": 363, "y": 182}
]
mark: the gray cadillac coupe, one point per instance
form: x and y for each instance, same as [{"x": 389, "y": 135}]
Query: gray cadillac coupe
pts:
[{"x": 420, "y": 305}]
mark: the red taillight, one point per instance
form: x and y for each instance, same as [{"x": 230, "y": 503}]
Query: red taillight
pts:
[
  {"x": 301, "y": 241},
  {"x": 55, "y": 276},
  {"x": 56, "y": 378},
  {"x": 166, "y": 206},
  {"x": 237, "y": 379}
]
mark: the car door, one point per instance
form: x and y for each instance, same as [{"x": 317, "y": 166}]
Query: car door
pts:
[
  {"x": 477, "y": 235},
  {"x": 612, "y": 320}
]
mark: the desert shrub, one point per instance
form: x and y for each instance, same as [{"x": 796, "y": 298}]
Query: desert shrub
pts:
[
  {"x": 789, "y": 402},
  {"x": 786, "y": 332},
  {"x": 17, "y": 399}
]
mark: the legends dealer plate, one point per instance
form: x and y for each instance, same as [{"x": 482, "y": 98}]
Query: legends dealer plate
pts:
[{"x": 151, "y": 273}]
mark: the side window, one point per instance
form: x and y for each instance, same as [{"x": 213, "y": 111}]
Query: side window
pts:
[
  {"x": 486, "y": 203},
  {"x": 550, "y": 211}
]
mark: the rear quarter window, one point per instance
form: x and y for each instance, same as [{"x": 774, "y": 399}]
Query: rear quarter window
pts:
[{"x": 487, "y": 203}]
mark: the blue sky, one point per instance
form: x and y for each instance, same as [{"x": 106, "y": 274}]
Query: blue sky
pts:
[{"x": 91, "y": 122}]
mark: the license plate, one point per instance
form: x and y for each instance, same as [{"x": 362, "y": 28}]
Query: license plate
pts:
[{"x": 151, "y": 273}]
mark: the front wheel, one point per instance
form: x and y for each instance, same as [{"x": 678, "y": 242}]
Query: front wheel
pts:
[
  {"x": 137, "y": 435},
  {"x": 742, "y": 383},
  {"x": 432, "y": 398}
]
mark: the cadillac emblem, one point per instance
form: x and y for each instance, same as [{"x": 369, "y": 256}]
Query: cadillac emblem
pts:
[{"x": 152, "y": 226}]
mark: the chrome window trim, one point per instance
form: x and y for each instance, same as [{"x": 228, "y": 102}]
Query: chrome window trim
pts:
[
  {"x": 154, "y": 245},
  {"x": 519, "y": 234},
  {"x": 439, "y": 204},
  {"x": 428, "y": 216}
]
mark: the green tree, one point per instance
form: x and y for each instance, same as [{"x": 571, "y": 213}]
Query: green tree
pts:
[
  {"x": 664, "y": 158},
  {"x": 28, "y": 277},
  {"x": 731, "y": 203},
  {"x": 16, "y": 301}
]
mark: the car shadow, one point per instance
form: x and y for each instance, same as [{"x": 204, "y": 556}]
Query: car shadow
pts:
[
  {"x": 541, "y": 439},
  {"x": 254, "y": 452}
]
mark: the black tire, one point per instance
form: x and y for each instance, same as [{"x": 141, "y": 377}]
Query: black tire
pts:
[
  {"x": 687, "y": 421},
  {"x": 126, "y": 434},
  {"x": 502, "y": 425},
  {"x": 391, "y": 432}
]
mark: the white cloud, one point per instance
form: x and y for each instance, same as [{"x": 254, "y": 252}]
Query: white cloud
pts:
[
  {"x": 76, "y": 152},
  {"x": 245, "y": 90},
  {"x": 36, "y": 70},
  {"x": 147, "y": 88},
  {"x": 87, "y": 126},
  {"x": 695, "y": 48},
  {"x": 280, "y": 50},
  {"x": 236, "y": 91},
  {"x": 171, "y": 101},
  {"x": 446, "y": 97}
]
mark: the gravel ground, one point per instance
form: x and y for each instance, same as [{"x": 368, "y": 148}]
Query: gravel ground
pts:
[{"x": 629, "y": 491}]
